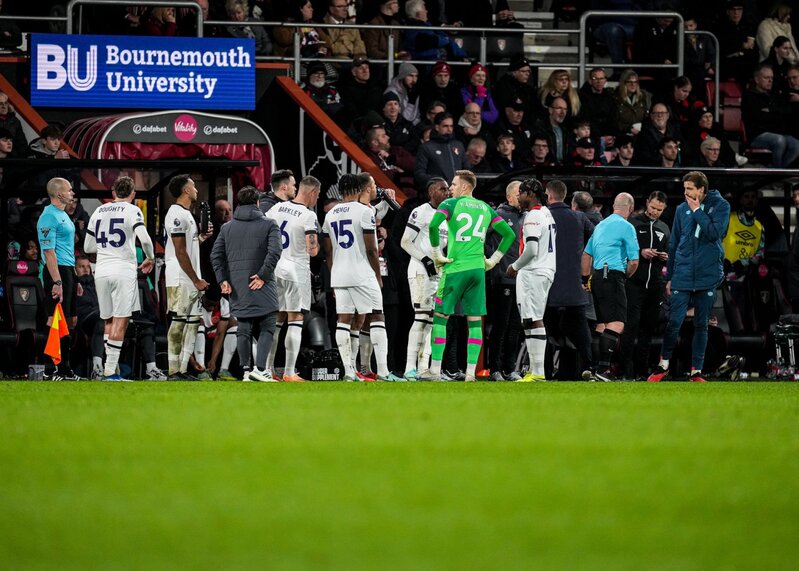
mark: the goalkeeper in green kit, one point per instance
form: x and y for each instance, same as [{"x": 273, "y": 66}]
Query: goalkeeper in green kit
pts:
[{"x": 464, "y": 267}]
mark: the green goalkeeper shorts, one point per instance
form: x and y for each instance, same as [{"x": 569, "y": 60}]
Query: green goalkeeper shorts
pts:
[{"x": 467, "y": 287}]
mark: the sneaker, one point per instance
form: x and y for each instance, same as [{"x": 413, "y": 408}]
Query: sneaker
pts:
[
  {"x": 117, "y": 378},
  {"x": 205, "y": 376},
  {"x": 658, "y": 375},
  {"x": 181, "y": 376},
  {"x": 410, "y": 375},
  {"x": 469, "y": 378},
  {"x": 260, "y": 376},
  {"x": 513, "y": 376},
  {"x": 97, "y": 373},
  {"x": 606, "y": 376},
  {"x": 292, "y": 379},
  {"x": 156, "y": 375},
  {"x": 351, "y": 378},
  {"x": 427, "y": 375},
  {"x": 531, "y": 378},
  {"x": 496, "y": 376},
  {"x": 63, "y": 375},
  {"x": 225, "y": 375},
  {"x": 444, "y": 376},
  {"x": 274, "y": 374},
  {"x": 696, "y": 377},
  {"x": 588, "y": 375},
  {"x": 363, "y": 378},
  {"x": 456, "y": 376},
  {"x": 391, "y": 378}
]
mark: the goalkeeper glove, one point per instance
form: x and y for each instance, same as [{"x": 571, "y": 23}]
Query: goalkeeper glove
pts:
[
  {"x": 438, "y": 258},
  {"x": 494, "y": 259}
]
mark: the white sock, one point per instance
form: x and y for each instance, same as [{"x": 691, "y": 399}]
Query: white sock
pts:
[
  {"x": 189, "y": 339},
  {"x": 380, "y": 343},
  {"x": 366, "y": 348},
  {"x": 355, "y": 341},
  {"x": 536, "y": 348},
  {"x": 229, "y": 347},
  {"x": 344, "y": 347},
  {"x": 471, "y": 370},
  {"x": 415, "y": 340},
  {"x": 97, "y": 362},
  {"x": 293, "y": 342},
  {"x": 199, "y": 346},
  {"x": 152, "y": 367},
  {"x": 112, "y": 351},
  {"x": 664, "y": 364},
  {"x": 435, "y": 367},
  {"x": 424, "y": 353},
  {"x": 175, "y": 343},
  {"x": 270, "y": 360}
]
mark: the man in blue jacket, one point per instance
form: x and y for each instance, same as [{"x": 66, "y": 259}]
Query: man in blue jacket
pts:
[{"x": 695, "y": 268}]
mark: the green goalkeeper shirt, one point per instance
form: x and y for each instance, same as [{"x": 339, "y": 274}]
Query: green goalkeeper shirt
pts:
[{"x": 468, "y": 220}]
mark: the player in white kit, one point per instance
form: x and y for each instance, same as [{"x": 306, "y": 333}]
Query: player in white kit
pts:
[
  {"x": 299, "y": 229},
  {"x": 350, "y": 242},
  {"x": 534, "y": 272},
  {"x": 111, "y": 233},
  {"x": 423, "y": 277},
  {"x": 184, "y": 283}
]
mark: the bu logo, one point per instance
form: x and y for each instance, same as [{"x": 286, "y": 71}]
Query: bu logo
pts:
[{"x": 55, "y": 67}]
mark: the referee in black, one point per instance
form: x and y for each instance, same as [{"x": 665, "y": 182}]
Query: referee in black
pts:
[{"x": 609, "y": 258}]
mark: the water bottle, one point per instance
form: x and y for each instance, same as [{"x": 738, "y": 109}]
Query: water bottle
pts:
[{"x": 205, "y": 217}]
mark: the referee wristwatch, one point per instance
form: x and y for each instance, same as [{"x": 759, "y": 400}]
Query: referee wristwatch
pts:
[{"x": 57, "y": 282}]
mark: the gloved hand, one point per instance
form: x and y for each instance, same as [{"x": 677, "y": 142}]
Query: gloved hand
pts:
[
  {"x": 493, "y": 260},
  {"x": 439, "y": 258},
  {"x": 429, "y": 266}
]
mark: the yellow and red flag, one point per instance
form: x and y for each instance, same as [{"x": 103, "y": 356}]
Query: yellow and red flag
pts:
[{"x": 58, "y": 329}]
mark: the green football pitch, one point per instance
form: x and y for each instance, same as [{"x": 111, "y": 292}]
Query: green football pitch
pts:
[{"x": 418, "y": 476}]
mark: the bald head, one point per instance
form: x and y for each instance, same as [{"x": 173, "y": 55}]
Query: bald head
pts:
[{"x": 623, "y": 204}]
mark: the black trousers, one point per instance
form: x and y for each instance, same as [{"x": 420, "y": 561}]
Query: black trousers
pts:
[
  {"x": 643, "y": 315},
  {"x": 503, "y": 347},
  {"x": 569, "y": 322}
]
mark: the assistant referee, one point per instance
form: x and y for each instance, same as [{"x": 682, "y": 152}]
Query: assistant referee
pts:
[{"x": 609, "y": 258}]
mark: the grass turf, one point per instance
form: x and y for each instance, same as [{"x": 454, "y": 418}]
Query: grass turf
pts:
[{"x": 400, "y": 476}]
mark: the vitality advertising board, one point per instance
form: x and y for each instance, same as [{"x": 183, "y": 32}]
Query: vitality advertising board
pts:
[{"x": 145, "y": 73}]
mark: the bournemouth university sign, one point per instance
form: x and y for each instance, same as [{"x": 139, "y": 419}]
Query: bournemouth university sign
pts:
[{"x": 142, "y": 72}]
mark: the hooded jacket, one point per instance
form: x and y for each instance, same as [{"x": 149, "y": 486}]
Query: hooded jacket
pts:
[
  {"x": 247, "y": 245},
  {"x": 696, "y": 256}
]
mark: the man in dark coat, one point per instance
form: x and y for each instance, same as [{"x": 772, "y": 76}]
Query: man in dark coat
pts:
[{"x": 244, "y": 258}]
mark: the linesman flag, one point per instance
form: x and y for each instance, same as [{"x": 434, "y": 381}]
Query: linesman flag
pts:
[{"x": 58, "y": 329}]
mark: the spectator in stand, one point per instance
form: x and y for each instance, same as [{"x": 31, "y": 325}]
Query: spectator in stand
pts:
[
  {"x": 401, "y": 132},
  {"x": 582, "y": 130},
  {"x": 429, "y": 45},
  {"x": 656, "y": 42},
  {"x": 237, "y": 11},
  {"x": 552, "y": 129},
  {"x": 430, "y": 112},
  {"x": 655, "y": 128},
  {"x": 776, "y": 23},
  {"x": 10, "y": 34},
  {"x": 669, "y": 152},
  {"x": 376, "y": 41},
  {"x": 378, "y": 148},
  {"x": 680, "y": 103},
  {"x": 598, "y": 105},
  {"x": 584, "y": 154},
  {"x": 344, "y": 43},
  {"x": 359, "y": 92},
  {"x": 633, "y": 103},
  {"x": 559, "y": 84},
  {"x": 404, "y": 87},
  {"x": 515, "y": 85},
  {"x": 710, "y": 155},
  {"x": 323, "y": 94},
  {"x": 779, "y": 59},
  {"x": 11, "y": 123},
  {"x": 792, "y": 94},
  {"x": 476, "y": 155},
  {"x": 541, "y": 155},
  {"x": 479, "y": 13},
  {"x": 702, "y": 127},
  {"x": 161, "y": 22},
  {"x": 6, "y": 145},
  {"x": 442, "y": 155},
  {"x": 738, "y": 51},
  {"x": 767, "y": 119},
  {"x": 513, "y": 123},
  {"x": 700, "y": 55},
  {"x": 471, "y": 125},
  {"x": 614, "y": 31},
  {"x": 506, "y": 159},
  {"x": 625, "y": 150},
  {"x": 48, "y": 145},
  {"x": 311, "y": 43},
  {"x": 440, "y": 87},
  {"x": 476, "y": 91}
]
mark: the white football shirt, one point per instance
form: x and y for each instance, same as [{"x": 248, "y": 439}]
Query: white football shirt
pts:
[
  {"x": 295, "y": 221},
  {"x": 113, "y": 226},
  {"x": 180, "y": 222},
  {"x": 538, "y": 225},
  {"x": 345, "y": 225},
  {"x": 420, "y": 221}
]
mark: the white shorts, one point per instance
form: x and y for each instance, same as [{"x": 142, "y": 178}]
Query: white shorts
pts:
[
  {"x": 183, "y": 300},
  {"x": 423, "y": 291},
  {"x": 293, "y": 296},
  {"x": 532, "y": 291},
  {"x": 364, "y": 299},
  {"x": 117, "y": 296}
]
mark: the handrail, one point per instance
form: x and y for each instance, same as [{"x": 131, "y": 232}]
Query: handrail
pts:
[
  {"x": 610, "y": 14},
  {"x": 155, "y": 3}
]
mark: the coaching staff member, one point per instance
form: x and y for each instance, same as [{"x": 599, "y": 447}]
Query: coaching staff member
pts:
[
  {"x": 57, "y": 239},
  {"x": 695, "y": 268},
  {"x": 610, "y": 257}
]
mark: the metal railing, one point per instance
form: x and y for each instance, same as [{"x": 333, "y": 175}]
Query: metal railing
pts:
[{"x": 114, "y": 3}]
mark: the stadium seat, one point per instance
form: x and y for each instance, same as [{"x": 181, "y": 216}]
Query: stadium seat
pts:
[{"x": 25, "y": 295}]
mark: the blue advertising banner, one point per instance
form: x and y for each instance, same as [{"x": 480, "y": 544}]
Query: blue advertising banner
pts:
[{"x": 142, "y": 72}]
